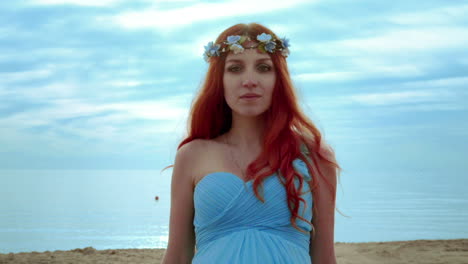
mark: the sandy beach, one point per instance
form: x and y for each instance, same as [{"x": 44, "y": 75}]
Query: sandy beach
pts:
[{"x": 415, "y": 251}]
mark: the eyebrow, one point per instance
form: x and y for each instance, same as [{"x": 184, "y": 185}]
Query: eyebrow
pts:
[{"x": 236, "y": 60}]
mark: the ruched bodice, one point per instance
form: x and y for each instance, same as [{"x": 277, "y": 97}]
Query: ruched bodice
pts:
[{"x": 233, "y": 226}]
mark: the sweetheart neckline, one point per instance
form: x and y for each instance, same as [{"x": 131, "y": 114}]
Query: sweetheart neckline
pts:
[
  {"x": 228, "y": 173},
  {"x": 222, "y": 172}
]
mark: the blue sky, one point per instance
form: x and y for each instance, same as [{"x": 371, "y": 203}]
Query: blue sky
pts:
[{"x": 108, "y": 84}]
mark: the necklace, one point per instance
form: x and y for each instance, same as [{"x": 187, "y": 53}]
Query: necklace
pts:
[{"x": 234, "y": 160}]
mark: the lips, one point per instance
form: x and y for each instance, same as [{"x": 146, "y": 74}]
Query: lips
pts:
[{"x": 250, "y": 95}]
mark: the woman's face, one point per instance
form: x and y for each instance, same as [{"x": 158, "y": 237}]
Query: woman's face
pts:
[{"x": 248, "y": 73}]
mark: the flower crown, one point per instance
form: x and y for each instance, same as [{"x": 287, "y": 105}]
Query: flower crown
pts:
[{"x": 234, "y": 43}]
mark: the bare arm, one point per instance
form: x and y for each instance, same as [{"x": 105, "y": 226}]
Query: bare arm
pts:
[
  {"x": 181, "y": 242},
  {"x": 322, "y": 247}
]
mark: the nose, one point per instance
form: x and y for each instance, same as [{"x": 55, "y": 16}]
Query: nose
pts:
[{"x": 249, "y": 83}]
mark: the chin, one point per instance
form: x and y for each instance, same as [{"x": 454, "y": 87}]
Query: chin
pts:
[{"x": 251, "y": 112}]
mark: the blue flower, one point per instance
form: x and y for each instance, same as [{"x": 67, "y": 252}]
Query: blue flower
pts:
[
  {"x": 264, "y": 37},
  {"x": 205, "y": 57},
  {"x": 211, "y": 50},
  {"x": 270, "y": 46},
  {"x": 285, "y": 42},
  {"x": 233, "y": 39}
]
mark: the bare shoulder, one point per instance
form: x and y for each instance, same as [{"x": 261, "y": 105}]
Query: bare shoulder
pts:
[
  {"x": 192, "y": 157},
  {"x": 189, "y": 150}
]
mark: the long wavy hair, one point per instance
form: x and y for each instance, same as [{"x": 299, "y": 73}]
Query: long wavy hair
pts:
[{"x": 287, "y": 127}]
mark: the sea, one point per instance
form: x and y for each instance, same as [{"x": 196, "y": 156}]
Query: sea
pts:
[{"x": 48, "y": 210}]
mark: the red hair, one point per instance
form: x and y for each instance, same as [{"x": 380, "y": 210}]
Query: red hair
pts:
[{"x": 287, "y": 127}]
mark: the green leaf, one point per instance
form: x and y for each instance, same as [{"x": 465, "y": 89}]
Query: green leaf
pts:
[
  {"x": 261, "y": 47},
  {"x": 242, "y": 39}
]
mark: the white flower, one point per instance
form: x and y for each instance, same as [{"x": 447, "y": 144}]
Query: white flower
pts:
[
  {"x": 236, "y": 48},
  {"x": 285, "y": 52}
]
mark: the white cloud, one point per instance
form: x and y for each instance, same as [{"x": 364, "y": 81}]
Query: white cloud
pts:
[
  {"x": 45, "y": 53},
  {"x": 390, "y": 68},
  {"x": 414, "y": 39},
  {"x": 134, "y": 83},
  {"x": 164, "y": 109},
  {"x": 366, "y": 70},
  {"x": 125, "y": 83},
  {"x": 168, "y": 19},
  {"x": 10, "y": 77},
  {"x": 171, "y": 108},
  {"x": 397, "y": 42},
  {"x": 76, "y": 2},
  {"x": 428, "y": 107},
  {"x": 131, "y": 124},
  {"x": 195, "y": 47},
  {"x": 51, "y": 90},
  {"x": 59, "y": 90},
  {"x": 442, "y": 83},
  {"x": 437, "y": 16},
  {"x": 327, "y": 76},
  {"x": 396, "y": 53},
  {"x": 391, "y": 98}
]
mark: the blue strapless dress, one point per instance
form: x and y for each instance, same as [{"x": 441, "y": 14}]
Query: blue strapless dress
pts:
[{"x": 233, "y": 226}]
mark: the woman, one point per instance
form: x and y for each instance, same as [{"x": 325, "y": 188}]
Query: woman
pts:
[{"x": 253, "y": 169}]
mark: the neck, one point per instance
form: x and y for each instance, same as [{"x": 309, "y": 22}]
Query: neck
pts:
[{"x": 246, "y": 133}]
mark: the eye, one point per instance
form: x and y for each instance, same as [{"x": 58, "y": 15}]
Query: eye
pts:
[
  {"x": 234, "y": 68},
  {"x": 264, "y": 67}
]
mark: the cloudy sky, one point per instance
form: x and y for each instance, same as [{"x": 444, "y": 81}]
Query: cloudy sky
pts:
[{"x": 108, "y": 84}]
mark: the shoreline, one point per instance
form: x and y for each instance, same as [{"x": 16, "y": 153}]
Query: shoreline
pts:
[{"x": 451, "y": 251}]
